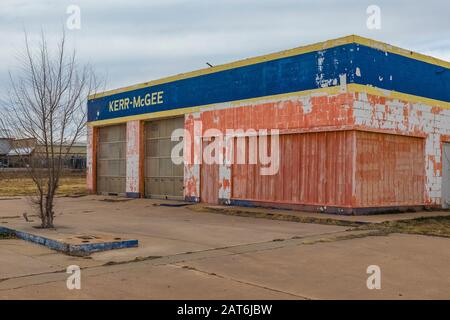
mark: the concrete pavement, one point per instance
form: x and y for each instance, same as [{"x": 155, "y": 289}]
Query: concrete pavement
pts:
[
  {"x": 199, "y": 255},
  {"x": 160, "y": 230}
]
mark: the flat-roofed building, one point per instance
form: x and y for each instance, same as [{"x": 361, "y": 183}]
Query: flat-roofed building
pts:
[{"x": 355, "y": 126}]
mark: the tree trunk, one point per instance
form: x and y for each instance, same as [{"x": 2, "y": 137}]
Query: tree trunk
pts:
[{"x": 49, "y": 214}]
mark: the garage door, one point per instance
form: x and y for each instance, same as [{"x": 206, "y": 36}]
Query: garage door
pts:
[
  {"x": 163, "y": 178},
  {"x": 313, "y": 168},
  {"x": 111, "y": 160}
]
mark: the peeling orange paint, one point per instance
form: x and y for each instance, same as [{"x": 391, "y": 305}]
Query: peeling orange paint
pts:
[
  {"x": 345, "y": 111},
  {"x": 91, "y": 159}
]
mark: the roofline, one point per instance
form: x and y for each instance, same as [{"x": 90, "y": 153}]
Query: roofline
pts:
[{"x": 282, "y": 54}]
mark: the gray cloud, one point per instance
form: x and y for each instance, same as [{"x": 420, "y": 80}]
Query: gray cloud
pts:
[{"x": 133, "y": 41}]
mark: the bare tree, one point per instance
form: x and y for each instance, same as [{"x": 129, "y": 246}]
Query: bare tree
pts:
[{"x": 46, "y": 107}]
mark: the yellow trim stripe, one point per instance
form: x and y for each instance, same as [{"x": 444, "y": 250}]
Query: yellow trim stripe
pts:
[
  {"x": 145, "y": 116},
  {"x": 282, "y": 54},
  {"x": 352, "y": 88}
]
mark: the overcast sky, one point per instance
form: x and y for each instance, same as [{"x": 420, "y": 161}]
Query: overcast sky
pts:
[{"x": 132, "y": 41}]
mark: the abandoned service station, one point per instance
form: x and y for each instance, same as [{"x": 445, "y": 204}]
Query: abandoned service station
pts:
[{"x": 362, "y": 127}]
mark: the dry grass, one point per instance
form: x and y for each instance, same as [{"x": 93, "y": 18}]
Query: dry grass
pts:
[
  {"x": 7, "y": 236},
  {"x": 73, "y": 185},
  {"x": 242, "y": 212},
  {"x": 430, "y": 226}
]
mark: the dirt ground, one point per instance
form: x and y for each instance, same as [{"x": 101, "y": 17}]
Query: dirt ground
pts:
[{"x": 192, "y": 254}]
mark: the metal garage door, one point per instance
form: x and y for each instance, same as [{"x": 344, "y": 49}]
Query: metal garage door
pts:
[
  {"x": 111, "y": 160},
  {"x": 446, "y": 175},
  {"x": 163, "y": 178}
]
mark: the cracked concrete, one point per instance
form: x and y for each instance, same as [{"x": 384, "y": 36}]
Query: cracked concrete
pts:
[
  {"x": 200, "y": 255},
  {"x": 56, "y": 275}
]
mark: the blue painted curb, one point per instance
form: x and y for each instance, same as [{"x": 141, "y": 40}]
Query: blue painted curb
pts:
[
  {"x": 134, "y": 195},
  {"x": 70, "y": 249}
]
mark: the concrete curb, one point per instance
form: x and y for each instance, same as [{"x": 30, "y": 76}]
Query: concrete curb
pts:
[{"x": 68, "y": 248}]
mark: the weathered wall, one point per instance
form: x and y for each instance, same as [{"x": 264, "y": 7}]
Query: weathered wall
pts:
[
  {"x": 210, "y": 181},
  {"x": 90, "y": 159},
  {"x": 134, "y": 158},
  {"x": 416, "y": 132},
  {"x": 297, "y": 114},
  {"x": 191, "y": 158},
  {"x": 315, "y": 169},
  {"x": 317, "y": 113},
  {"x": 409, "y": 118},
  {"x": 389, "y": 170}
]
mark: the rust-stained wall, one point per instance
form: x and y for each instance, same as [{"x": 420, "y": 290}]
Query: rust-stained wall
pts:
[
  {"x": 134, "y": 158},
  {"x": 209, "y": 181},
  {"x": 315, "y": 169},
  {"x": 191, "y": 158},
  {"x": 319, "y": 112},
  {"x": 415, "y": 133},
  {"x": 91, "y": 164},
  {"x": 406, "y": 171},
  {"x": 384, "y": 114},
  {"x": 307, "y": 112},
  {"x": 390, "y": 170}
]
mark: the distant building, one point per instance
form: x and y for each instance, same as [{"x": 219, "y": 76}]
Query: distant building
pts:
[
  {"x": 18, "y": 153},
  {"x": 5, "y": 146}
]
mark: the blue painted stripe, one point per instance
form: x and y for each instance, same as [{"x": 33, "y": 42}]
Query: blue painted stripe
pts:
[
  {"x": 395, "y": 72},
  {"x": 191, "y": 199},
  {"x": 290, "y": 74},
  {"x": 96, "y": 247}
]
